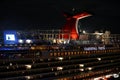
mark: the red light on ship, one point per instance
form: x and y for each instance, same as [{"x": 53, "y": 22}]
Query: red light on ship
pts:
[{"x": 72, "y": 25}]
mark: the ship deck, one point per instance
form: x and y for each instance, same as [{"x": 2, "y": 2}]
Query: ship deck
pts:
[{"x": 60, "y": 65}]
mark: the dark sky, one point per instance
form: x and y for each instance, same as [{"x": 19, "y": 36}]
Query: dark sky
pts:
[{"x": 48, "y": 14}]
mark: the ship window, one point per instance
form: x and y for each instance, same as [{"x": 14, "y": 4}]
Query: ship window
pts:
[{"x": 55, "y": 54}]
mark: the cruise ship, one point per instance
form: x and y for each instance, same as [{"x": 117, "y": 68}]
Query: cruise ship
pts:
[{"x": 65, "y": 54}]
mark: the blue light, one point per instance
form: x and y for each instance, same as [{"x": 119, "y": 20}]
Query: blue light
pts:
[{"x": 10, "y": 37}]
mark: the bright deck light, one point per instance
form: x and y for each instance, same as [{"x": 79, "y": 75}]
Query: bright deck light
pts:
[{"x": 28, "y": 66}]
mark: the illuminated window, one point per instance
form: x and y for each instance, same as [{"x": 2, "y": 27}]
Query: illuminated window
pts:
[
  {"x": 74, "y": 53},
  {"x": 71, "y": 53},
  {"x": 58, "y": 54},
  {"x": 77, "y": 52},
  {"x": 68, "y": 53},
  {"x": 55, "y": 54},
  {"x": 60, "y": 58},
  {"x": 65, "y": 53},
  {"x": 51, "y": 54},
  {"x": 59, "y": 68}
]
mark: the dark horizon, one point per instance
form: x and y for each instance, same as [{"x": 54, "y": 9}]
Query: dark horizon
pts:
[{"x": 34, "y": 14}]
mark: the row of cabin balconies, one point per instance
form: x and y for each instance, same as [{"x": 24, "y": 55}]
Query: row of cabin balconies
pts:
[
  {"x": 54, "y": 67},
  {"x": 77, "y": 52}
]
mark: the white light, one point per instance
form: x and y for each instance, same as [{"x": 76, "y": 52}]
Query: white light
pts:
[
  {"x": 28, "y": 41},
  {"x": 99, "y": 59},
  {"x": 10, "y": 64},
  {"x": 27, "y": 77},
  {"x": 101, "y": 48},
  {"x": 60, "y": 58},
  {"x": 20, "y": 41},
  {"x": 65, "y": 42},
  {"x": 60, "y": 41},
  {"x": 59, "y": 68},
  {"x": 7, "y": 67},
  {"x": 52, "y": 69},
  {"x": 98, "y": 33},
  {"x": 28, "y": 66},
  {"x": 89, "y": 68},
  {"x": 84, "y": 31},
  {"x": 98, "y": 78},
  {"x": 56, "y": 73},
  {"x": 81, "y": 65},
  {"x": 81, "y": 69},
  {"x": 108, "y": 76},
  {"x": 54, "y": 40},
  {"x": 115, "y": 75}
]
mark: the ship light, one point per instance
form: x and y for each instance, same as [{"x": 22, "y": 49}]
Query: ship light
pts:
[
  {"x": 108, "y": 76},
  {"x": 7, "y": 67},
  {"x": 27, "y": 77},
  {"x": 115, "y": 75},
  {"x": 20, "y": 41},
  {"x": 99, "y": 59},
  {"x": 99, "y": 78},
  {"x": 81, "y": 65},
  {"x": 65, "y": 42},
  {"x": 28, "y": 66},
  {"x": 10, "y": 64},
  {"x": 32, "y": 48},
  {"x": 28, "y": 41},
  {"x": 59, "y": 68},
  {"x": 81, "y": 69},
  {"x": 60, "y": 58},
  {"x": 84, "y": 31},
  {"x": 90, "y": 68},
  {"x": 60, "y": 41},
  {"x": 54, "y": 41}
]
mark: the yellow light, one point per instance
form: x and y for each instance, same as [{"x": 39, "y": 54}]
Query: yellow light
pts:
[
  {"x": 27, "y": 77},
  {"x": 81, "y": 69},
  {"x": 89, "y": 68},
  {"x": 81, "y": 65},
  {"x": 32, "y": 48},
  {"x": 28, "y": 66},
  {"x": 59, "y": 68},
  {"x": 60, "y": 58},
  {"x": 99, "y": 59}
]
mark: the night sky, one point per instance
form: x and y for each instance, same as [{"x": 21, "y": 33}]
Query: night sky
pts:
[{"x": 48, "y": 14}]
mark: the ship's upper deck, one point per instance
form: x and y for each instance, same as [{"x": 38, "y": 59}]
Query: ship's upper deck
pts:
[{"x": 56, "y": 36}]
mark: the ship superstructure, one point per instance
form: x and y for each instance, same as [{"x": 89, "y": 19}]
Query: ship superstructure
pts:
[{"x": 45, "y": 55}]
